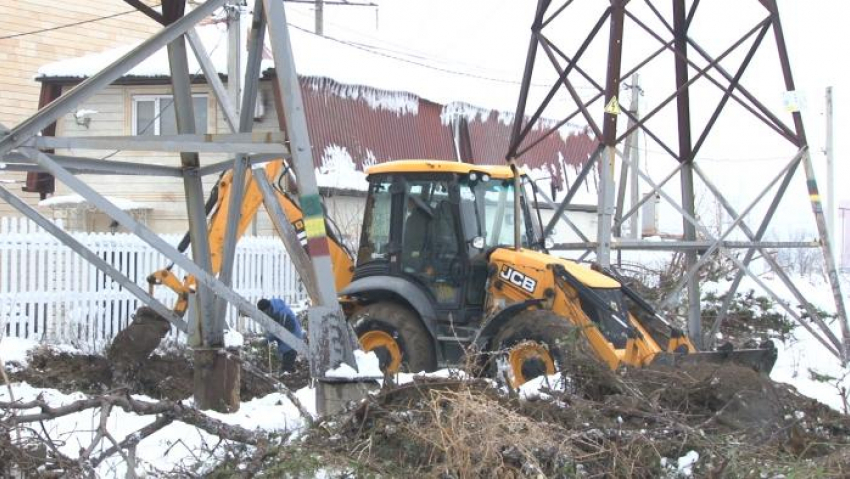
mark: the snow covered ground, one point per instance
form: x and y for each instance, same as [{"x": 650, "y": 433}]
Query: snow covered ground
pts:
[{"x": 176, "y": 447}]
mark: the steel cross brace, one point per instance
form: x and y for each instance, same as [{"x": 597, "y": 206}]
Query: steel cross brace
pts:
[
  {"x": 741, "y": 266},
  {"x": 763, "y": 114},
  {"x": 563, "y": 217},
  {"x": 777, "y": 269},
  {"x": 265, "y": 142},
  {"x": 166, "y": 249},
  {"x": 716, "y": 242},
  {"x": 98, "y": 166},
  {"x": 214, "y": 81}
]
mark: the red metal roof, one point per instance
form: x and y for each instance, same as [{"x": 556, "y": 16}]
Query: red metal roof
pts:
[{"x": 377, "y": 135}]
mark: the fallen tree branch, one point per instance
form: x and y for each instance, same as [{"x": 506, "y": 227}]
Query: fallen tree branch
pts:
[
  {"x": 176, "y": 410},
  {"x": 134, "y": 439}
]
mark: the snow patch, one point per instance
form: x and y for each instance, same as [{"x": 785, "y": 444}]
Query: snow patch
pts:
[
  {"x": 683, "y": 467},
  {"x": 339, "y": 170},
  {"x": 15, "y": 350},
  {"x": 539, "y": 387},
  {"x": 233, "y": 339},
  {"x": 213, "y": 36},
  {"x": 83, "y": 113},
  {"x": 174, "y": 447},
  {"x": 368, "y": 367},
  {"x": 70, "y": 201}
]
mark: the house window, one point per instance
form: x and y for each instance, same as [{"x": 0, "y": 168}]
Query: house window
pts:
[{"x": 154, "y": 114}]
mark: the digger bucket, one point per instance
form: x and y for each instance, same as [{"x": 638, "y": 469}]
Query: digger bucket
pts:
[{"x": 760, "y": 359}]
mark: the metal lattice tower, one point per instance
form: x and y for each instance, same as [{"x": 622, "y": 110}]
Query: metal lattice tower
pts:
[
  {"x": 21, "y": 150},
  {"x": 668, "y": 35}
]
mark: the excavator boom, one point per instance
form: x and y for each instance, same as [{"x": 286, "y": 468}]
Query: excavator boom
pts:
[{"x": 343, "y": 265}]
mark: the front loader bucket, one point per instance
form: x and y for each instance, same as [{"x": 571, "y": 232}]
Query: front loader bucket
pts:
[{"x": 759, "y": 359}]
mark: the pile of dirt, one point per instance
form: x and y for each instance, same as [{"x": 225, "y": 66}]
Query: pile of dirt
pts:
[{"x": 168, "y": 375}]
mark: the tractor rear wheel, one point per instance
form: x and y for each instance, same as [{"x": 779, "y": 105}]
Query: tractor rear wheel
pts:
[
  {"x": 531, "y": 344},
  {"x": 397, "y": 337}
]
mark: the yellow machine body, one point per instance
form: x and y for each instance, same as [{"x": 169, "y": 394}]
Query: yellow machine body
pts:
[{"x": 521, "y": 275}]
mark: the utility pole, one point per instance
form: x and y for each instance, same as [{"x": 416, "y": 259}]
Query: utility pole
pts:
[
  {"x": 629, "y": 153},
  {"x": 320, "y": 17},
  {"x": 234, "y": 53},
  {"x": 634, "y": 186},
  {"x": 830, "y": 169}
]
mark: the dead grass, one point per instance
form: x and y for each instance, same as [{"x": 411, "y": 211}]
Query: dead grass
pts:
[{"x": 472, "y": 435}]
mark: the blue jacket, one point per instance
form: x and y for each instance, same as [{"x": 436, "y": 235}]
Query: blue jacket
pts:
[{"x": 280, "y": 312}]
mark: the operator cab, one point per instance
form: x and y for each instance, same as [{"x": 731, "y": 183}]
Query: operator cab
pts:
[{"x": 432, "y": 223}]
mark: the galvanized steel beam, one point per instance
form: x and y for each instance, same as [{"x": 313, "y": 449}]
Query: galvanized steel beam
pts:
[
  {"x": 287, "y": 233},
  {"x": 216, "y": 168},
  {"x": 211, "y": 75},
  {"x": 811, "y": 183},
  {"x": 775, "y": 266},
  {"x": 211, "y": 325},
  {"x": 84, "y": 165},
  {"x": 241, "y": 162},
  {"x": 259, "y": 142},
  {"x": 327, "y": 351}
]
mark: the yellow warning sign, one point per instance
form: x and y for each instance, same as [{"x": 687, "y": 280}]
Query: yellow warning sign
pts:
[{"x": 613, "y": 106}]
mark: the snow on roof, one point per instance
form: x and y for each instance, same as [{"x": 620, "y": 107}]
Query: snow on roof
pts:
[
  {"x": 213, "y": 36},
  {"x": 344, "y": 61},
  {"x": 77, "y": 201}
]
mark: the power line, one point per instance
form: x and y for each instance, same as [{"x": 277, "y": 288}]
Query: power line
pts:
[
  {"x": 379, "y": 51},
  {"x": 392, "y": 54},
  {"x": 68, "y": 25}
]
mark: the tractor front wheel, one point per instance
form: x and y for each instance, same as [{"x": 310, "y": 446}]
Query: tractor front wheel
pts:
[
  {"x": 531, "y": 344},
  {"x": 397, "y": 337}
]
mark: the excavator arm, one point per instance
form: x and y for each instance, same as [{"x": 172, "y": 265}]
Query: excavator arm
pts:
[{"x": 218, "y": 207}]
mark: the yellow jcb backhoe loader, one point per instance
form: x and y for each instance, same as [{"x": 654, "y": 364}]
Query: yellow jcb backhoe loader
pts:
[{"x": 439, "y": 269}]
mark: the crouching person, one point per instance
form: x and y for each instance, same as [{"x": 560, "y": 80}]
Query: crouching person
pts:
[{"x": 279, "y": 311}]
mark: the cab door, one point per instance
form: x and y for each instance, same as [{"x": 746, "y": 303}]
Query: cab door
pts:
[{"x": 431, "y": 252}]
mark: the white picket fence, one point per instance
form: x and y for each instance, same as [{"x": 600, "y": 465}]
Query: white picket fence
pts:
[{"x": 50, "y": 293}]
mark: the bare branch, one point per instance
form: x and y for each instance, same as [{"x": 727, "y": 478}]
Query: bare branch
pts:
[{"x": 178, "y": 412}]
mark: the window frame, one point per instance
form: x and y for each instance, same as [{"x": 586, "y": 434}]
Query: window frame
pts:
[{"x": 156, "y": 97}]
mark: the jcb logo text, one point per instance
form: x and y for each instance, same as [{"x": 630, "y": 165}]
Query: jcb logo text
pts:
[{"x": 518, "y": 279}]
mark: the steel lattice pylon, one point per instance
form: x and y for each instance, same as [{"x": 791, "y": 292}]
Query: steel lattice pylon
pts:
[
  {"x": 668, "y": 26},
  {"x": 21, "y": 147}
]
